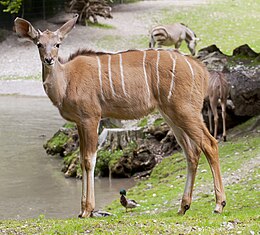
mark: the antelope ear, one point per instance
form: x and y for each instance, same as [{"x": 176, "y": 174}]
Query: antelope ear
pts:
[
  {"x": 67, "y": 27},
  {"x": 24, "y": 29}
]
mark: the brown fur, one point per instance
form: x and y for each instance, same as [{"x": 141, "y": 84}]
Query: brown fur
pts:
[
  {"x": 133, "y": 84},
  {"x": 218, "y": 89}
]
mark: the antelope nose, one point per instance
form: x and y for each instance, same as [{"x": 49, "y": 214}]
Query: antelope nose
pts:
[{"x": 48, "y": 60}]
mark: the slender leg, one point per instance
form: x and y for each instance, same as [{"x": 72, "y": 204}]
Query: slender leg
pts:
[
  {"x": 213, "y": 105},
  {"x": 223, "y": 108},
  {"x": 210, "y": 119},
  {"x": 201, "y": 137},
  {"x": 88, "y": 144},
  {"x": 192, "y": 153}
]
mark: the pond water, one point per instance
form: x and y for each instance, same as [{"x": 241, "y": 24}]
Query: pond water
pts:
[{"x": 31, "y": 183}]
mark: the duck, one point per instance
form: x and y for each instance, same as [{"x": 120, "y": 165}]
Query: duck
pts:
[{"x": 127, "y": 203}]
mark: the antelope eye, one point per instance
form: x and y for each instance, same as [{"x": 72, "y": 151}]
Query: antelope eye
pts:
[
  {"x": 39, "y": 45},
  {"x": 57, "y": 45}
]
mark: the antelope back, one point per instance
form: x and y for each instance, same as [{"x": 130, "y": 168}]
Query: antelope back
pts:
[{"x": 135, "y": 82}]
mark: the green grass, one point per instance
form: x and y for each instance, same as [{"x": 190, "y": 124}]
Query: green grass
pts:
[
  {"x": 228, "y": 24},
  {"x": 159, "y": 197},
  {"x": 99, "y": 25},
  {"x": 32, "y": 77}
]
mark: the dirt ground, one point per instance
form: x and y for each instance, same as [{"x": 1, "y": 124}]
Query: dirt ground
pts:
[{"x": 20, "y": 59}]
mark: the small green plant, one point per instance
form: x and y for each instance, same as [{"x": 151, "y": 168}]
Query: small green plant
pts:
[
  {"x": 11, "y": 6},
  {"x": 99, "y": 25},
  {"x": 158, "y": 122},
  {"x": 143, "y": 122}
]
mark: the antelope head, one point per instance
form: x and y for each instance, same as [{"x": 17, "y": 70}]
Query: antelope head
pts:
[{"x": 48, "y": 42}]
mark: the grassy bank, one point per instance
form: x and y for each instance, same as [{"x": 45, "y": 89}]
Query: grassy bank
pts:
[
  {"x": 228, "y": 24},
  {"x": 160, "y": 194}
]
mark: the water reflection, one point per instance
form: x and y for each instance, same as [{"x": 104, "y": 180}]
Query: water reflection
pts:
[{"x": 30, "y": 181}]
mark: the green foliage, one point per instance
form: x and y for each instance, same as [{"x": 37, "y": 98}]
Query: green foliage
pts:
[
  {"x": 103, "y": 158},
  {"x": 11, "y": 6},
  {"x": 99, "y": 25},
  {"x": 143, "y": 122},
  {"x": 69, "y": 125},
  {"x": 56, "y": 143},
  {"x": 106, "y": 160},
  {"x": 71, "y": 156},
  {"x": 158, "y": 122}
]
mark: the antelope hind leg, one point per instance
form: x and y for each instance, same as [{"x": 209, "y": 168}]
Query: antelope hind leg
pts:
[
  {"x": 208, "y": 144},
  {"x": 192, "y": 153}
]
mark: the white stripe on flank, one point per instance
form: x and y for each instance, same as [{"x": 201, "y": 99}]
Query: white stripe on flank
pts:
[
  {"x": 192, "y": 75},
  {"x": 191, "y": 70},
  {"x": 122, "y": 73},
  {"x": 158, "y": 75},
  {"x": 145, "y": 76},
  {"x": 173, "y": 71},
  {"x": 100, "y": 77},
  {"x": 110, "y": 75}
]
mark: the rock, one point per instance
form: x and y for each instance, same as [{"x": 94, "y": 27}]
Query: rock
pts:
[
  {"x": 72, "y": 168},
  {"x": 245, "y": 93},
  {"x": 245, "y": 50}
]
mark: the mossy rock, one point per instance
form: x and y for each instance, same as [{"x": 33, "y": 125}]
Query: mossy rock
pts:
[{"x": 57, "y": 144}]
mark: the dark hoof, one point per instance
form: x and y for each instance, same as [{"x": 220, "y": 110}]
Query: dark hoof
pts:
[
  {"x": 224, "y": 138},
  {"x": 219, "y": 208},
  {"x": 186, "y": 207}
]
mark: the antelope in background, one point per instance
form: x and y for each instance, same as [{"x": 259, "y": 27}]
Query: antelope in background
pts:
[
  {"x": 168, "y": 35},
  {"x": 127, "y": 85},
  {"x": 218, "y": 91}
]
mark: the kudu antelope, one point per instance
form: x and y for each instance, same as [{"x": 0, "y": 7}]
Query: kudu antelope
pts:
[
  {"x": 168, "y": 35},
  {"x": 218, "y": 90},
  {"x": 127, "y": 85}
]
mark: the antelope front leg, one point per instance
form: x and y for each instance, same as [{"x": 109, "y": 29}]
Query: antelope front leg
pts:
[{"x": 88, "y": 143}]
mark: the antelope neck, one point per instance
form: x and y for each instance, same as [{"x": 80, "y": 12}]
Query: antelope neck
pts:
[{"x": 54, "y": 82}]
